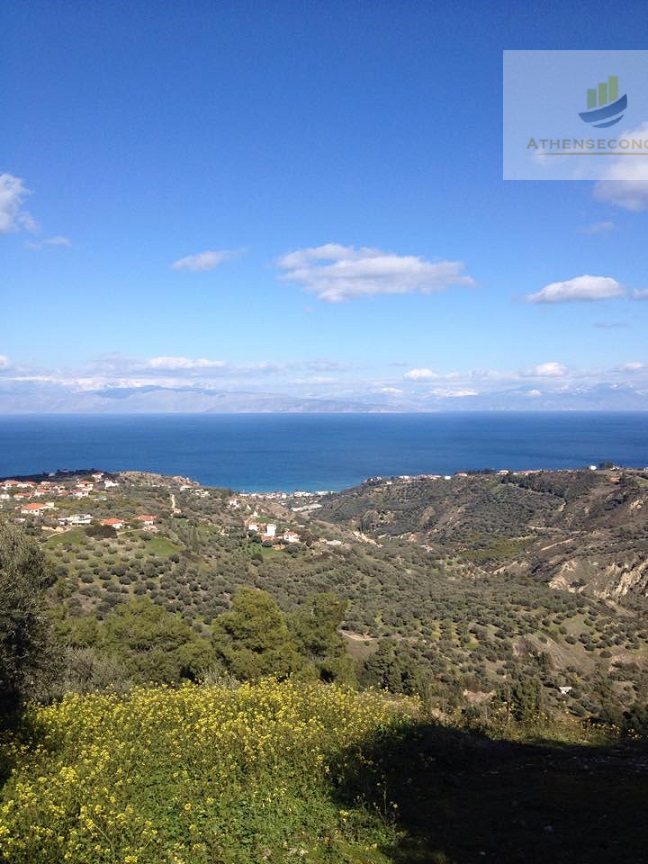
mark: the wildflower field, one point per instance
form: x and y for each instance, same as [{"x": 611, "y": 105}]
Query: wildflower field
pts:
[{"x": 201, "y": 774}]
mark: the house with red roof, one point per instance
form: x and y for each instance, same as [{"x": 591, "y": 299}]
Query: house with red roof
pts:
[
  {"x": 145, "y": 520},
  {"x": 291, "y": 537},
  {"x": 113, "y": 523},
  {"x": 36, "y": 509}
]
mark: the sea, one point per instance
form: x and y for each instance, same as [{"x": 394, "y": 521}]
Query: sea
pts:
[{"x": 317, "y": 452}]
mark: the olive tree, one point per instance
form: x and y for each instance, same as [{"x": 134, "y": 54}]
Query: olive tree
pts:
[{"x": 26, "y": 657}]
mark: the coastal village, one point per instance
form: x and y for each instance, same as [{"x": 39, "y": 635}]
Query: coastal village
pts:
[
  {"x": 51, "y": 497},
  {"x": 115, "y": 504},
  {"x": 66, "y": 500}
]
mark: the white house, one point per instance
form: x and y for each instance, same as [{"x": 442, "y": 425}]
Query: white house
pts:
[
  {"x": 77, "y": 519},
  {"x": 36, "y": 509},
  {"x": 146, "y": 521},
  {"x": 291, "y": 537}
]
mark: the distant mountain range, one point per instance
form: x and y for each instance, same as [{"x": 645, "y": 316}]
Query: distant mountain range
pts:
[
  {"x": 62, "y": 397},
  {"x": 54, "y": 398}
]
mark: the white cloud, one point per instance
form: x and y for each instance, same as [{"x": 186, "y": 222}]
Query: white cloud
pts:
[
  {"x": 640, "y": 295},
  {"x": 49, "y": 241},
  {"x": 120, "y": 365},
  {"x": 183, "y": 363},
  {"x": 492, "y": 374},
  {"x": 547, "y": 370},
  {"x": 336, "y": 273},
  {"x": 634, "y": 366},
  {"x": 315, "y": 379},
  {"x": 27, "y": 221},
  {"x": 626, "y": 185},
  {"x": 624, "y": 181},
  {"x": 580, "y": 288},
  {"x": 455, "y": 394},
  {"x": 598, "y": 228},
  {"x": 391, "y": 391},
  {"x": 116, "y": 364},
  {"x": 202, "y": 261},
  {"x": 264, "y": 367},
  {"x": 420, "y": 375},
  {"x": 322, "y": 364},
  {"x": 188, "y": 369},
  {"x": 4, "y": 362},
  {"x": 12, "y": 194}
]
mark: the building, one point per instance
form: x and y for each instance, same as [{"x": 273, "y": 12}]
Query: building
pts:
[
  {"x": 36, "y": 509},
  {"x": 113, "y": 523},
  {"x": 291, "y": 537}
]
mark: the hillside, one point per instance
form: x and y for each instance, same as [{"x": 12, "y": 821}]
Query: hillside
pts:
[
  {"x": 584, "y": 531},
  {"x": 294, "y": 772},
  {"x": 458, "y": 589}
]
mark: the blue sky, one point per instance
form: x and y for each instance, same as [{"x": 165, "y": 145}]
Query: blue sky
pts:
[{"x": 305, "y": 200}]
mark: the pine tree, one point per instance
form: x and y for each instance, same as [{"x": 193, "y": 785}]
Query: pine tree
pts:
[{"x": 253, "y": 640}]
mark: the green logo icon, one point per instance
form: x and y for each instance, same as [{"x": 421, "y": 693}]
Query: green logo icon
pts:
[{"x": 607, "y": 107}]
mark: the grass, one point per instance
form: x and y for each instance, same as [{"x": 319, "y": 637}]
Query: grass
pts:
[
  {"x": 268, "y": 552},
  {"x": 323, "y": 775},
  {"x": 162, "y": 547},
  {"x": 462, "y": 797},
  {"x": 75, "y": 537},
  {"x": 200, "y": 775}
]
